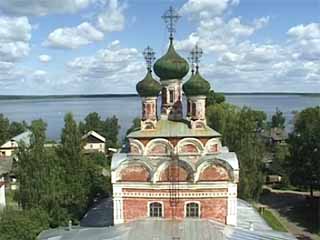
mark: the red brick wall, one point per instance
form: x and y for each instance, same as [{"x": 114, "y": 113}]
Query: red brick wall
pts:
[
  {"x": 189, "y": 148},
  {"x": 210, "y": 208},
  {"x": 134, "y": 173},
  {"x": 214, "y": 173},
  {"x": 174, "y": 173}
]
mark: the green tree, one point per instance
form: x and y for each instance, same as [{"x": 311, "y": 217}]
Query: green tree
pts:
[
  {"x": 136, "y": 124},
  {"x": 305, "y": 148},
  {"x": 213, "y": 98},
  {"x": 22, "y": 225},
  {"x": 280, "y": 164},
  {"x": 31, "y": 167},
  {"x": 4, "y": 129},
  {"x": 278, "y": 120},
  {"x": 91, "y": 122},
  {"x": 75, "y": 169},
  {"x": 240, "y": 132},
  {"x": 111, "y": 129},
  {"x": 16, "y": 128}
]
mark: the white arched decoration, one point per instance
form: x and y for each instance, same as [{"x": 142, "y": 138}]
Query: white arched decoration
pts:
[
  {"x": 136, "y": 144},
  {"x": 211, "y": 143},
  {"x": 190, "y": 202},
  {"x": 129, "y": 164},
  {"x": 165, "y": 164},
  {"x": 216, "y": 162},
  {"x": 159, "y": 142},
  {"x": 190, "y": 141}
]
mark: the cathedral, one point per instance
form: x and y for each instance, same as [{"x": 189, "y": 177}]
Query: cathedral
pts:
[{"x": 176, "y": 166}]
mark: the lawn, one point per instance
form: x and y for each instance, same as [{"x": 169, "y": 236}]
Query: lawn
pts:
[{"x": 273, "y": 221}]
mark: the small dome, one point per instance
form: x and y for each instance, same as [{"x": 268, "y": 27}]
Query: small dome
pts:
[
  {"x": 196, "y": 86},
  {"x": 148, "y": 87},
  {"x": 171, "y": 65}
]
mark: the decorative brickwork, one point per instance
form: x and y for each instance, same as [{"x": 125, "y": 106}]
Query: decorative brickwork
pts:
[
  {"x": 135, "y": 173},
  {"x": 214, "y": 173}
]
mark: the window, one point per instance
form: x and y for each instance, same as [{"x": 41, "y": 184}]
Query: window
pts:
[
  {"x": 171, "y": 92},
  {"x": 192, "y": 210},
  {"x": 155, "y": 209},
  {"x": 164, "y": 95},
  {"x": 194, "y": 110}
]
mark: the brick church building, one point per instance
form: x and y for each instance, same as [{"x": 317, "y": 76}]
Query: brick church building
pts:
[{"x": 176, "y": 166}]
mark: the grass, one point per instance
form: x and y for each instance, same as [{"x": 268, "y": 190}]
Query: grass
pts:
[{"x": 273, "y": 221}]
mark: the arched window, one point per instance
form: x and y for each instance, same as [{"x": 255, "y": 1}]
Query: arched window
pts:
[
  {"x": 171, "y": 92},
  {"x": 155, "y": 209},
  {"x": 192, "y": 209},
  {"x": 164, "y": 95},
  {"x": 194, "y": 110}
]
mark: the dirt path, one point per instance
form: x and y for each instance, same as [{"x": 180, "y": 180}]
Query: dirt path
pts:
[{"x": 296, "y": 210}]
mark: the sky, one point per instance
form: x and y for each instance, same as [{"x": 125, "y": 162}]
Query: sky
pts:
[{"x": 95, "y": 46}]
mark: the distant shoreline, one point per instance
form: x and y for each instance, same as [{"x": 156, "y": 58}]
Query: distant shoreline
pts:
[{"x": 16, "y": 97}]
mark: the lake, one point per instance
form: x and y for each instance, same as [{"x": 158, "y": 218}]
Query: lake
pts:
[{"x": 127, "y": 108}]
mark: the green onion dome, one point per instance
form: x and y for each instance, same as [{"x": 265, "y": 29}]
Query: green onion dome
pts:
[
  {"x": 196, "y": 86},
  {"x": 171, "y": 65},
  {"x": 148, "y": 87}
]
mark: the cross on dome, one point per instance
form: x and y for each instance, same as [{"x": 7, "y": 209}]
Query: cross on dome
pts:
[
  {"x": 171, "y": 17},
  {"x": 149, "y": 56},
  {"x": 196, "y": 54}
]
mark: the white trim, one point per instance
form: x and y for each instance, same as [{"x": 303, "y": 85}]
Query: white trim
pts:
[
  {"x": 162, "y": 208},
  {"x": 158, "y": 140},
  {"x": 182, "y": 185},
  {"x": 94, "y": 134},
  {"x": 166, "y": 195},
  {"x": 185, "y": 208},
  {"x": 196, "y": 142}
]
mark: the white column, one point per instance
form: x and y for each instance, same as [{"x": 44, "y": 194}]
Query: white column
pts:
[
  {"x": 2, "y": 193},
  {"x": 117, "y": 205},
  {"x": 232, "y": 205}
]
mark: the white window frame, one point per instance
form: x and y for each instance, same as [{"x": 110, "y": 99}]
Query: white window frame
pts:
[
  {"x": 185, "y": 208},
  {"x": 162, "y": 208}
]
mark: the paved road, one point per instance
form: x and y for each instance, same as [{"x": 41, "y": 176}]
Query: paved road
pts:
[{"x": 100, "y": 215}]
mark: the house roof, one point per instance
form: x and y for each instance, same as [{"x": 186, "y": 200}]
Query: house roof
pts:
[
  {"x": 186, "y": 229},
  {"x": 22, "y": 137},
  {"x": 276, "y": 134},
  {"x": 95, "y": 135},
  {"x": 167, "y": 128}
]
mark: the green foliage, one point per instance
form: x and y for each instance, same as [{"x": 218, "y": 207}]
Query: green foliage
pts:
[
  {"x": 272, "y": 221},
  {"x": 22, "y": 225},
  {"x": 108, "y": 128},
  {"x": 4, "y": 127},
  {"x": 280, "y": 164},
  {"x": 305, "y": 148},
  {"x": 239, "y": 129},
  {"x": 213, "y": 98},
  {"x": 9, "y": 130},
  {"x": 278, "y": 120},
  {"x": 74, "y": 166},
  {"x": 135, "y": 125}
]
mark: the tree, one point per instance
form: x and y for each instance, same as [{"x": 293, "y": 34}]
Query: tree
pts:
[
  {"x": 91, "y": 122},
  {"x": 24, "y": 225},
  {"x": 280, "y": 164},
  {"x": 74, "y": 164},
  {"x": 278, "y": 120},
  {"x": 136, "y": 124},
  {"x": 4, "y": 129},
  {"x": 111, "y": 129},
  {"x": 305, "y": 149},
  {"x": 213, "y": 98},
  {"x": 240, "y": 132},
  {"x": 31, "y": 167}
]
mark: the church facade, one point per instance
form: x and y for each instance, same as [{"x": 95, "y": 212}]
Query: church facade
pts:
[{"x": 176, "y": 166}]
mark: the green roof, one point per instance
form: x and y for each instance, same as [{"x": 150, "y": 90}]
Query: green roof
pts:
[
  {"x": 196, "y": 85},
  {"x": 171, "y": 65},
  {"x": 167, "y": 128},
  {"x": 148, "y": 87}
]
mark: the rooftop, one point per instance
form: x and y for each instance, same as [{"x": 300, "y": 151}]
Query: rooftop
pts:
[
  {"x": 167, "y": 128},
  {"x": 167, "y": 229}
]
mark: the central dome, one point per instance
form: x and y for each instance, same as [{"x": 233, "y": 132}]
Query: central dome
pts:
[{"x": 171, "y": 65}]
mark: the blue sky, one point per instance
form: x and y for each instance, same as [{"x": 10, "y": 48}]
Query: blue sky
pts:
[{"x": 94, "y": 46}]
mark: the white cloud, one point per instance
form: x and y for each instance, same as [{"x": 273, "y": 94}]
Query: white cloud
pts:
[
  {"x": 72, "y": 38},
  {"x": 113, "y": 67},
  {"x": 112, "y": 18},
  {"x": 207, "y": 8},
  {"x": 43, "y": 7},
  {"x": 44, "y": 58},
  {"x": 15, "y": 35}
]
